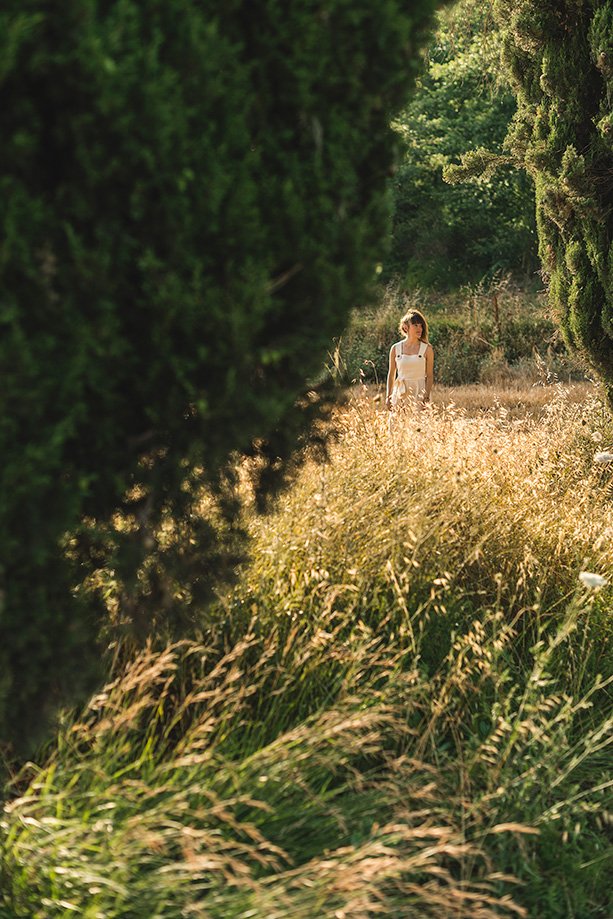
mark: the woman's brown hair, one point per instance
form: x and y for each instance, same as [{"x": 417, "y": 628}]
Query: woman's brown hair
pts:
[{"x": 414, "y": 317}]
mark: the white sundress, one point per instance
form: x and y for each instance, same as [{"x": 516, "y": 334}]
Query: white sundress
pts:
[{"x": 411, "y": 380}]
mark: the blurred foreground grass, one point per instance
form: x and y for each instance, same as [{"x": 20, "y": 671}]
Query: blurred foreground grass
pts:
[{"x": 402, "y": 709}]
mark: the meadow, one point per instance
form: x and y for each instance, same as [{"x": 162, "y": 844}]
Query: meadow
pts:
[
  {"x": 496, "y": 332},
  {"x": 402, "y": 708}
]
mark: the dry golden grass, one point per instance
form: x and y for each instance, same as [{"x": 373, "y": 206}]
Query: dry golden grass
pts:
[
  {"x": 462, "y": 498},
  {"x": 401, "y": 709},
  {"x": 519, "y": 399}
]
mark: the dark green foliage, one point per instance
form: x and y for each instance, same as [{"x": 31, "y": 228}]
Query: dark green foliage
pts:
[
  {"x": 193, "y": 197},
  {"x": 444, "y": 237},
  {"x": 559, "y": 59}
]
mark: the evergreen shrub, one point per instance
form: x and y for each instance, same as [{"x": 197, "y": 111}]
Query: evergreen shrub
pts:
[
  {"x": 558, "y": 59},
  {"x": 193, "y": 197}
]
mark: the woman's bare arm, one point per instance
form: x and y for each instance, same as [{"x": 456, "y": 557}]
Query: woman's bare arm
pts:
[
  {"x": 429, "y": 372},
  {"x": 391, "y": 375}
]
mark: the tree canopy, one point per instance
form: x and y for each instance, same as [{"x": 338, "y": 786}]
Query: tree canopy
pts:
[{"x": 446, "y": 236}]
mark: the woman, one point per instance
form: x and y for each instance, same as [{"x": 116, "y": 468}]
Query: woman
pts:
[{"x": 411, "y": 365}]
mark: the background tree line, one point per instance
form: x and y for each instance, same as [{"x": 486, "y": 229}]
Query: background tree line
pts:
[{"x": 445, "y": 236}]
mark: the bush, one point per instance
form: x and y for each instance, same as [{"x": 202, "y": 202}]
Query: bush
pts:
[{"x": 192, "y": 198}]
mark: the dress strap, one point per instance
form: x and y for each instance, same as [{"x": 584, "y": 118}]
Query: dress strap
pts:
[{"x": 423, "y": 348}]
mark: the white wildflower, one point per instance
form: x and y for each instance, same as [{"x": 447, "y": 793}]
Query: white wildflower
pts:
[
  {"x": 596, "y": 437},
  {"x": 603, "y": 457},
  {"x": 591, "y": 580}
]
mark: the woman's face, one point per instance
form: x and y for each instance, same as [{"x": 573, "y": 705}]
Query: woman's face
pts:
[{"x": 417, "y": 327}]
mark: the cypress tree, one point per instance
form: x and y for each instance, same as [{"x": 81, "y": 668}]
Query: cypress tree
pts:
[
  {"x": 193, "y": 197},
  {"x": 558, "y": 57}
]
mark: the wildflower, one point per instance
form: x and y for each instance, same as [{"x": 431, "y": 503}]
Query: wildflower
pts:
[
  {"x": 591, "y": 580},
  {"x": 596, "y": 437},
  {"x": 604, "y": 457}
]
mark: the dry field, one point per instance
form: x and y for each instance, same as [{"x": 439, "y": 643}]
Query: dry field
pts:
[
  {"x": 402, "y": 709},
  {"x": 518, "y": 400}
]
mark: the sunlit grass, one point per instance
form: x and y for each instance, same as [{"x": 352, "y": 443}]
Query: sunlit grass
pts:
[{"x": 402, "y": 708}]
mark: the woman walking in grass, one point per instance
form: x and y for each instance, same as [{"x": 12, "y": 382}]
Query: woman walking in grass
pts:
[{"x": 411, "y": 366}]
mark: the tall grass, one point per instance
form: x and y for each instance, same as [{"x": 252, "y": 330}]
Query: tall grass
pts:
[{"x": 402, "y": 709}]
